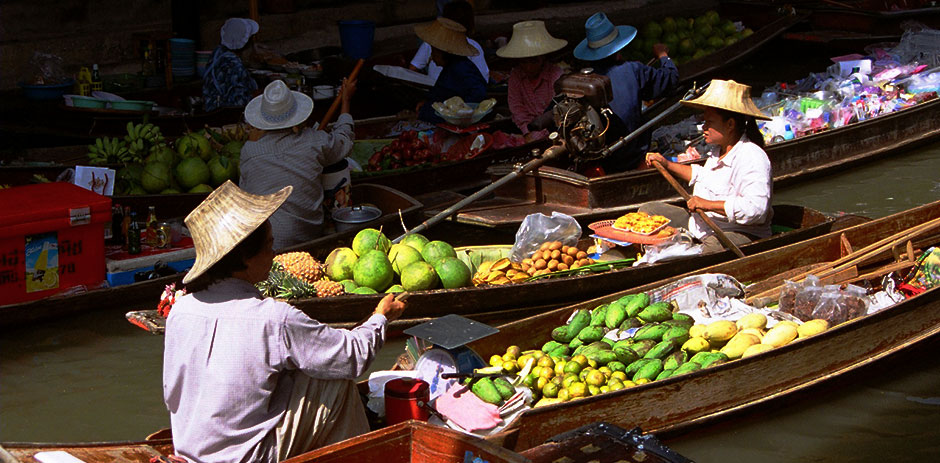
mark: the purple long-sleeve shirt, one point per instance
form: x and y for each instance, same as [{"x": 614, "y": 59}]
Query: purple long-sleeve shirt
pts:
[{"x": 228, "y": 364}]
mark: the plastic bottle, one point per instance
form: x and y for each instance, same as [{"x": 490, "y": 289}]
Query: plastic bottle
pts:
[
  {"x": 150, "y": 235},
  {"x": 788, "y": 133},
  {"x": 125, "y": 225},
  {"x": 95, "y": 78}
]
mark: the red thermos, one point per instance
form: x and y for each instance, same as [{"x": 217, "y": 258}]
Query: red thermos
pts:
[{"x": 406, "y": 399}]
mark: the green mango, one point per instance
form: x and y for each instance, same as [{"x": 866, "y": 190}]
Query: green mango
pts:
[
  {"x": 686, "y": 367},
  {"x": 656, "y": 312},
  {"x": 649, "y": 370},
  {"x": 641, "y": 347},
  {"x": 661, "y": 350},
  {"x": 675, "y": 360},
  {"x": 637, "y": 304},
  {"x": 665, "y": 374},
  {"x": 560, "y": 351},
  {"x": 631, "y": 322},
  {"x": 602, "y": 357},
  {"x": 580, "y": 320},
  {"x": 550, "y": 346},
  {"x": 591, "y": 334},
  {"x": 632, "y": 368},
  {"x": 674, "y": 322},
  {"x": 560, "y": 334},
  {"x": 616, "y": 314},
  {"x": 504, "y": 387},
  {"x": 717, "y": 359},
  {"x": 599, "y": 314},
  {"x": 653, "y": 332},
  {"x": 677, "y": 334},
  {"x": 575, "y": 343},
  {"x": 683, "y": 317},
  {"x": 486, "y": 391},
  {"x": 625, "y": 354}
]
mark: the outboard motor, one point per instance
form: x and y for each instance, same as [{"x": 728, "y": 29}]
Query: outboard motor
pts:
[{"x": 582, "y": 114}]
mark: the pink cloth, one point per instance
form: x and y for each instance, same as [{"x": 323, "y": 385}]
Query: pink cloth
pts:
[
  {"x": 466, "y": 410},
  {"x": 528, "y": 99}
]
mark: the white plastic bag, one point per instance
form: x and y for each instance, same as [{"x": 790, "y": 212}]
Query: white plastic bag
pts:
[{"x": 539, "y": 228}]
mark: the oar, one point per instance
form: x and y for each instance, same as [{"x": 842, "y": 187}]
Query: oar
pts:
[
  {"x": 339, "y": 97},
  {"x": 685, "y": 195},
  {"x": 551, "y": 153}
]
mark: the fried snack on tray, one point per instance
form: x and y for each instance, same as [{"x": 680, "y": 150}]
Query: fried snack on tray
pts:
[{"x": 640, "y": 222}]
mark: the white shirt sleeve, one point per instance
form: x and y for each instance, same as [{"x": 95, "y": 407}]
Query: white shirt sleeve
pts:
[
  {"x": 479, "y": 60},
  {"x": 422, "y": 56}
]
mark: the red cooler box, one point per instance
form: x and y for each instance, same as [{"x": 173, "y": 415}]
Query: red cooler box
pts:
[{"x": 51, "y": 239}]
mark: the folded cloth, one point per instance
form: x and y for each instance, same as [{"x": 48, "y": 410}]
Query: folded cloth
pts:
[{"x": 465, "y": 409}]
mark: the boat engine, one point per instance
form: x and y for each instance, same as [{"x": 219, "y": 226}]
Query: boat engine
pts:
[{"x": 582, "y": 115}]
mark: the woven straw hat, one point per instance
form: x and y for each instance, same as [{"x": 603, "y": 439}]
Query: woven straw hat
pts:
[
  {"x": 224, "y": 219},
  {"x": 278, "y": 108},
  {"x": 530, "y": 38},
  {"x": 447, "y": 35},
  {"x": 730, "y": 96}
]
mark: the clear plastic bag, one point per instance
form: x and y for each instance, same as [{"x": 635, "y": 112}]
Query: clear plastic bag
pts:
[
  {"x": 855, "y": 301},
  {"x": 794, "y": 302},
  {"x": 828, "y": 307},
  {"x": 539, "y": 228}
]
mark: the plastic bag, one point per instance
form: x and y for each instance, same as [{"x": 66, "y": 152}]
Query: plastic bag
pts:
[
  {"x": 46, "y": 69},
  {"x": 539, "y": 228},
  {"x": 677, "y": 247},
  {"x": 793, "y": 302},
  {"x": 840, "y": 305}
]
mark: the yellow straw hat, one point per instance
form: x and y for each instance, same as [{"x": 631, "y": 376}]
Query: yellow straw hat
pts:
[
  {"x": 530, "y": 38},
  {"x": 730, "y": 96},
  {"x": 224, "y": 219},
  {"x": 447, "y": 35}
]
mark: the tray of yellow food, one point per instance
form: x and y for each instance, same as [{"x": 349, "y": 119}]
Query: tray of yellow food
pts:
[
  {"x": 641, "y": 223},
  {"x": 606, "y": 229}
]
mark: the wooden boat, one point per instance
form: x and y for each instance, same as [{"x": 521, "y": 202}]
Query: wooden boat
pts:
[
  {"x": 394, "y": 205},
  {"x": 679, "y": 403},
  {"x": 498, "y": 304},
  {"x": 552, "y": 189},
  {"x": 91, "y": 452},
  {"x": 407, "y": 442}
]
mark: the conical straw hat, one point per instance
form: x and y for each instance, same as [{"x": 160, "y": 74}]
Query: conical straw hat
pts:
[
  {"x": 224, "y": 219},
  {"x": 730, "y": 96},
  {"x": 530, "y": 38},
  {"x": 447, "y": 35}
]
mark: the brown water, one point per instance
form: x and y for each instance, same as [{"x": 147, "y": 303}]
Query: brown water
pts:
[{"x": 95, "y": 377}]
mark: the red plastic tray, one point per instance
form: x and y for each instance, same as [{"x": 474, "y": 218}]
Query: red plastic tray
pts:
[{"x": 605, "y": 228}]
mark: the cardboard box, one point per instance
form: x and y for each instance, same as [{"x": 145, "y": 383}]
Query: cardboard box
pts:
[{"x": 51, "y": 240}]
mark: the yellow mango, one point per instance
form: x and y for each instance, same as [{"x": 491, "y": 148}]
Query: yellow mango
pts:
[
  {"x": 738, "y": 344},
  {"x": 780, "y": 335},
  {"x": 756, "y": 349},
  {"x": 812, "y": 327},
  {"x": 787, "y": 322},
  {"x": 720, "y": 331},
  {"x": 695, "y": 345},
  {"x": 754, "y": 331},
  {"x": 697, "y": 331},
  {"x": 755, "y": 320}
]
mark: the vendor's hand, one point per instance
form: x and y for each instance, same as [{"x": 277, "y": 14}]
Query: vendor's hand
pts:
[
  {"x": 696, "y": 204},
  {"x": 348, "y": 88},
  {"x": 390, "y": 307},
  {"x": 660, "y": 50},
  {"x": 655, "y": 157}
]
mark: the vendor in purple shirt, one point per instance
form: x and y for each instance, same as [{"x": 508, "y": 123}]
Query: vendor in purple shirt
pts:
[
  {"x": 459, "y": 76},
  {"x": 248, "y": 378},
  {"x": 632, "y": 83}
]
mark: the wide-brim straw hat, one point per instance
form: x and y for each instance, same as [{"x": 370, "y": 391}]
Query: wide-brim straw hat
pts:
[
  {"x": 446, "y": 35},
  {"x": 603, "y": 38},
  {"x": 730, "y": 96},
  {"x": 278, "y": 107},
  {"x": 530, "y": 38},
  {"x": 224, "y": 219}
]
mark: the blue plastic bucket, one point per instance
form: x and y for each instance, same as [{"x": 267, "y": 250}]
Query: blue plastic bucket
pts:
[{"x": 356, "y": 38}]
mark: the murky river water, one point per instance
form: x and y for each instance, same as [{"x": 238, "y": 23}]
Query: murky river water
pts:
[{"x": 95, "y": 377}]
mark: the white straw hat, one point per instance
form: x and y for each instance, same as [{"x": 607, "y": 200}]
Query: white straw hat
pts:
[
  {"x": 730, "y": 96},
  {"x": 278, "y": 107},
  {"x": 530, "y": 38},
  {"x": 225, "y": 218},
  {"x": 447, "y": 35}
]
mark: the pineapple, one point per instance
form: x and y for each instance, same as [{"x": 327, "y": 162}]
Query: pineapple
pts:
[
  {"x": 328, "y": 288},
  {"x": 301, "y": 265},
  {"x": 282, "y": 284}
]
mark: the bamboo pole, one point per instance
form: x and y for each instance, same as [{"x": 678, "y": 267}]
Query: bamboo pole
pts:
[{"x": 339, "y": 96}]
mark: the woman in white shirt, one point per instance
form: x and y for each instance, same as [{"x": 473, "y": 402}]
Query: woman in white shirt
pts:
[
  {"x": 462, "y": 12},
  {"x": 733, "y": 187}
]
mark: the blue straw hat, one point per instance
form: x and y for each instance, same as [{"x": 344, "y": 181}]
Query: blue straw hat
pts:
[{"x": 603, "y": 38}]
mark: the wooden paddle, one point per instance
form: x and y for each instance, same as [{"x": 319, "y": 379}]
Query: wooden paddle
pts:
[
  {"x": 339, "y": 96},
  {"x": 685, "y": 195}
]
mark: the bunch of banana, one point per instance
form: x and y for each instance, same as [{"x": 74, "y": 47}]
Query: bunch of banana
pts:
[
  {"x": 109, "y": 150},
  {"x": 235, "y": 132},
  {"x": 141, "y": 138},
  {"x": 501, "y": 272}
]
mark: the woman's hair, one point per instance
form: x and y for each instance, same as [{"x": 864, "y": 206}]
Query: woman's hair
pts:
[
  {"x": 234, "y": 261},
  {"x": 746, "y": 125},
  {"x": 462, "y": 12}
]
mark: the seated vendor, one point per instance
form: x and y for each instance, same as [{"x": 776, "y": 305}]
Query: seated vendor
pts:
[
  {"x": 733, "y": 186},
  {"x": 281, "y": 152},
  {"x": 459, "y": 77},
  {"x": 632, "y": 83},
  {"x": 226, "y": 83},
  {"x": 462, "y": 12},
  {"x": 248, "y": 378},
  {"x": 532, "y": 79}
]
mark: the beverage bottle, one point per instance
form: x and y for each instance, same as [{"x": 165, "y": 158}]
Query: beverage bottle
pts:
[
  {"x": 117, "y": 219},
  {"x": 133, "y": 235},
  {"x": 152, "y": 224},
  {"x": 95, "y": 78},
  {"x": 125, "y": 225},
  {"x": 788, "y": 133}
]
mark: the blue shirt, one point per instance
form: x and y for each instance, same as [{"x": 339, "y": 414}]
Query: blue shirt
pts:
[
  {"x": 226, "y": 83},
  {"x": 632, "y": 83},
  {"x": 460, "y": 77}
]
